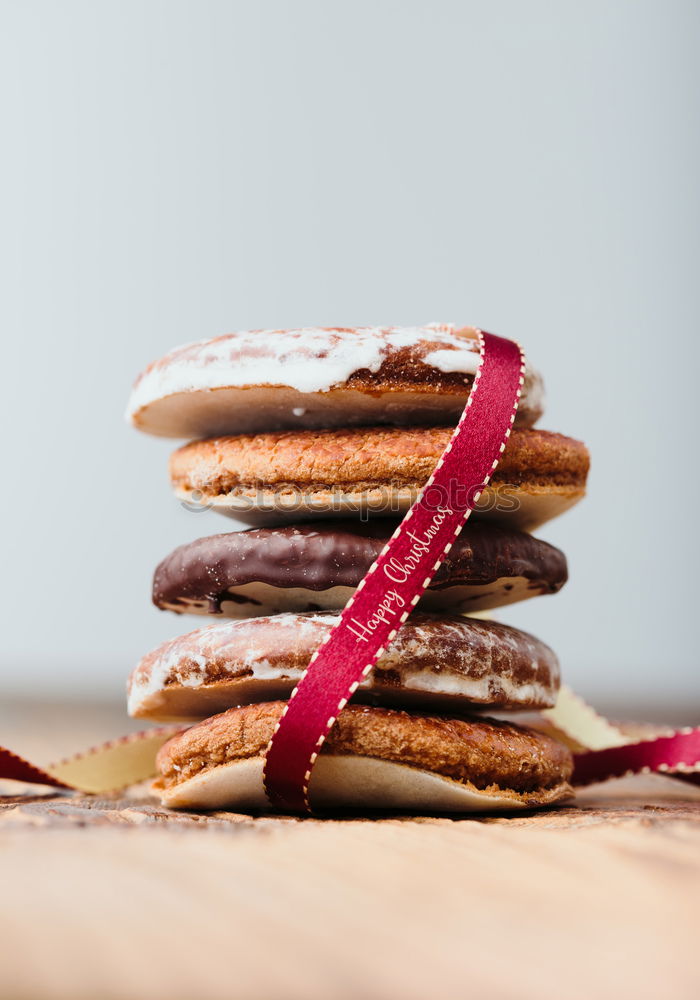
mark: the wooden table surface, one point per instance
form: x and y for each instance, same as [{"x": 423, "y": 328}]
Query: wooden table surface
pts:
[{"x": 119, "y": 898}]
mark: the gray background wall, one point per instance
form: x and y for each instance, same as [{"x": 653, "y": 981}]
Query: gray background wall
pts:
[{"x": 173, "y": 170}]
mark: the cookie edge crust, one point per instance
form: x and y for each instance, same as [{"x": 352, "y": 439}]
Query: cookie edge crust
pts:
[{"x": 347, "y": 782}]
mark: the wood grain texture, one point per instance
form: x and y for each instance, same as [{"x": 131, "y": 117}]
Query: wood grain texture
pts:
[{"x": 117, "y": 898}]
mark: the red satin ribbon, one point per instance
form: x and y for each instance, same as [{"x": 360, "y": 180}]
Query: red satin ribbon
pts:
[
  {"x": 674, "y": 754},
  {"x": 16, "y": 768},
  {"x": 384, "y": 598}
]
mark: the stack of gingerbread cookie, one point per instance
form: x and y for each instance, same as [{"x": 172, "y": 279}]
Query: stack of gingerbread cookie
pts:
[{"x": 319, "y": 440}]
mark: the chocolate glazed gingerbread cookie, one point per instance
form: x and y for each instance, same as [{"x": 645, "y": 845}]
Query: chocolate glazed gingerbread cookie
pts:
[{"x": 313, "y": 567}]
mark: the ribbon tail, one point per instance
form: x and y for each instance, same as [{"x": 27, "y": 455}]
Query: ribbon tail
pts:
[{"x": 105, "y": 768}]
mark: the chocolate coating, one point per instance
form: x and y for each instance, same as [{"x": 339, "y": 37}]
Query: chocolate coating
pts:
[{"x": 324, "y": 555}]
